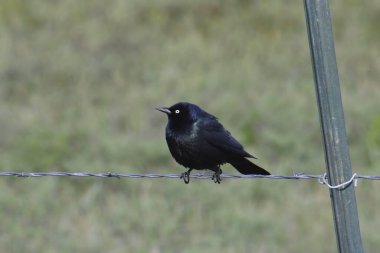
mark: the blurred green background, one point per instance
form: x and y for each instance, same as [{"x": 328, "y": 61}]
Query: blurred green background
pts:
[{"x": 79, "y": 81}]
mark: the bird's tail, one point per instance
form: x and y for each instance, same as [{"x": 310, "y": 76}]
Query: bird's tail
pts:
[{"x": 246, "y": 167}]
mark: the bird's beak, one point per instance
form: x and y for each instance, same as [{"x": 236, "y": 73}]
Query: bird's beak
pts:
[{"x": 164, "y": 110}]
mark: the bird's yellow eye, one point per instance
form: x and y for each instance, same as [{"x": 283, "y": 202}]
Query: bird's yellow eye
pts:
[{"x": 177, "y": 111}]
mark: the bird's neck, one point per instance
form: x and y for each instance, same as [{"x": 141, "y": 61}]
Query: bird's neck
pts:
[{"x": 181, "y": 127}]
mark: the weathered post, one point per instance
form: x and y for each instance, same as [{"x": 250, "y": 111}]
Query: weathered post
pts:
[{"x": 332, "y": 123}]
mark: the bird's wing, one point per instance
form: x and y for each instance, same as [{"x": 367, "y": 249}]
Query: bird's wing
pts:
[{"x": 215, "y": 134}]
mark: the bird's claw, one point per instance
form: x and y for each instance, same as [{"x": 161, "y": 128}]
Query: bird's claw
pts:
[
  {"x": 216, "y": 177},
  {"x": 186, "y": 177}
]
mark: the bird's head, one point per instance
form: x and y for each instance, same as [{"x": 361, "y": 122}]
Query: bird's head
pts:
[{"x": 182, "y": 112}]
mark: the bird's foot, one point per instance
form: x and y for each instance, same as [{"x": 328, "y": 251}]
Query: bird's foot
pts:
[
  {"x": 216, "y": 177},
  {"x": 186, "y": 176}
]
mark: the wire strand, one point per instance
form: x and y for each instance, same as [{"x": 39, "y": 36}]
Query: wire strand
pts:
[{"x": 321, "y": 178}]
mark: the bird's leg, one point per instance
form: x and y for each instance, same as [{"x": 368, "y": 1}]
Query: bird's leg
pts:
[
  {"x": 186, "y": 176},
  {"x": 216, "y": 177}
]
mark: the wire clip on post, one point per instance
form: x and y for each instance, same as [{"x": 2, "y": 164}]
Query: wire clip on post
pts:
[{"x": 323, "y": 180}]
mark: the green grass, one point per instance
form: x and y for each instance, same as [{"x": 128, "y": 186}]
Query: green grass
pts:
[{"x": 78, "y": 85}]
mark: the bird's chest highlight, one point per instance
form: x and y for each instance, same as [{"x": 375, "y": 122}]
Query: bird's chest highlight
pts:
[
  {"x": 183, "y": 142},
  {"x": 184, "y": 145}
]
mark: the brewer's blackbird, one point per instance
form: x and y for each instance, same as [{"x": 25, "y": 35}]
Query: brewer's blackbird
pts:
[{"x": 198, "y": 141}]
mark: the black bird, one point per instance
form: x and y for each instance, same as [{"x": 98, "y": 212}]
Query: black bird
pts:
[{"x": 198, "y": 141}]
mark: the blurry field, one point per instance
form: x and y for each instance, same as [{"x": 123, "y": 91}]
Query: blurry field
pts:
[{"x": 79, "y": 81}]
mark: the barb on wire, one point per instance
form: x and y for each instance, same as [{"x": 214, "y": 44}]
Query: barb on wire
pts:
[{"x": 322, "y": 178}]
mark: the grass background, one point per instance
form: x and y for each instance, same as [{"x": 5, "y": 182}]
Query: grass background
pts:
[{"x": 79, "y": 81}]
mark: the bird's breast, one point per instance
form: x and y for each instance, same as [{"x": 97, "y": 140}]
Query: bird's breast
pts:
[
  {"x": 182, "y": 142},
  {"x": 184, "y": 145},
  {"x": 192, "y": 150}
]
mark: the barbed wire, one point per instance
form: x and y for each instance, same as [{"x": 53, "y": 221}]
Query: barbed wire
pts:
[{"x": 321, "y": 178}]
